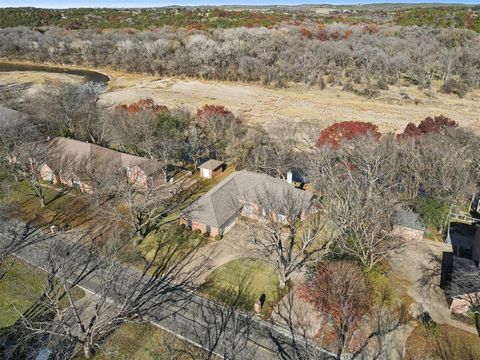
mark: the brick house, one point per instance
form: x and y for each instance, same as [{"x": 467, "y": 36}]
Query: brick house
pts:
[
  {"x": 218, "y": 209},
  {"x": 68, "y": 159}
]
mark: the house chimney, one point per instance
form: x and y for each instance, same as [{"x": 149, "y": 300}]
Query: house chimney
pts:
[{"x": 290, "y": 177}]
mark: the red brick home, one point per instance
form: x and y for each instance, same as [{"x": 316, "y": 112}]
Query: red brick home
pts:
[
  {"x": 67, "y": 159},
  {"x": 218, "y": 209}
]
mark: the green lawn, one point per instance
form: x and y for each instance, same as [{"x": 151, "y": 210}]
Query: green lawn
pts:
[
  {"x": 71, "y": 209},
  {"x": 19, "y": 289},
  {"x": 242, "y": 282},
  {"x": 145, "y": 342},
  {"x": 22, "y": 285}
]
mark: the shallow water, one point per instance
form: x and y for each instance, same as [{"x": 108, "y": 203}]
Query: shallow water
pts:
[{"x": 88, "y": 75}]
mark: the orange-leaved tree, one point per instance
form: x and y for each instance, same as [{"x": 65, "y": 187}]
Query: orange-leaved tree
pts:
[{"x": 142, "y": 105}]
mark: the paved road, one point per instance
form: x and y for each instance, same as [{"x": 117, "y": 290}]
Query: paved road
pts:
[{"x": 198, "y": 320}]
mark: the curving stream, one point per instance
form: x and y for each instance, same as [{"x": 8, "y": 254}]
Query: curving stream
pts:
[{"x": 88, "y": 75}]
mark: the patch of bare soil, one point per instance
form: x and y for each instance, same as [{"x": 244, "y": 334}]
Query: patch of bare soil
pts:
[
  {"x": 391, "y": 111},
  {"x": 34, "y": 79}
]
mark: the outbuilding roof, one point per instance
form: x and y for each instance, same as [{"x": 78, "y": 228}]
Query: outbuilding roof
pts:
[{"x": 211, "y": 164}]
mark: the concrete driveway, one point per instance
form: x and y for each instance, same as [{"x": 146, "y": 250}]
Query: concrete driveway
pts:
[
  {"x": 421, "y": 263},
  {"x": 234, "y": 245}
]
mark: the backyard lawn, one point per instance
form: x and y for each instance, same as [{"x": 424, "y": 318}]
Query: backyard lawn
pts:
[
  {"x": 447, "y": 342},
  {"x": 243, "y": 282},
  {"x": 144, "y": 342}
]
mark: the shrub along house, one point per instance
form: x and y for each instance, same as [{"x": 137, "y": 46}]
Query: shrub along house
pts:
[
  {"x": 239, "y": 194},
  {"x": 68, "y": 160}
]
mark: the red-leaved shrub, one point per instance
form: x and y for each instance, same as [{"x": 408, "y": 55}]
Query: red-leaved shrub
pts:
[{"x": 346, "y": 130}]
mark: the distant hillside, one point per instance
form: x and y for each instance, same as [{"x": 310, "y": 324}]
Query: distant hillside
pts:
[{"x": 207, "y": 17}]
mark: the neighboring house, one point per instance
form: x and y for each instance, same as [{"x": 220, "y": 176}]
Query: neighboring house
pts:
[
  {"x": 68, "y": 158},
  {"x": 211, "y": 168},
  {"x": 217, "y": 210},
  {"x": 464, "y": 237},
  {"x": 408, "y": 225}
]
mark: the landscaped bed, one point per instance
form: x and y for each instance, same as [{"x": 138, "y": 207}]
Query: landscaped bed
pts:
[{"x": 242, "y": 282}]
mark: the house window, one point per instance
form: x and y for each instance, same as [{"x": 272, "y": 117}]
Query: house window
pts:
[
  {"x": 282, "y": 218},
  {"x": 247, "y": 208},
  {"x": 265, "y": 212},
  {"x": 190, "y": 223},
  {"x": 76, "y": 184},
  {"x": 209, "y": 229}
]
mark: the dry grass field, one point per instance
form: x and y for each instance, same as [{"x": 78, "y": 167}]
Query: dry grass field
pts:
[{"x": 391, "y": 111}]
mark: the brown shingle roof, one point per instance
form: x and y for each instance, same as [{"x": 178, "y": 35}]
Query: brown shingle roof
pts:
[
  {"x": 104, "y": 159},
  {"x": 222, "y": 202}
]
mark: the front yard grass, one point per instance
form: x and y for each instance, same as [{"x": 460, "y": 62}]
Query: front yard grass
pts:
[
  {"x": 390, "y": 290},
  {"x": 19, "y": 289},
  {"x": 141, "y": 341},
  {"x": 243, "y": 282},
  {"x": 447, "y": 342},
  {"x": 21, "y": 286},
  {"x": 68, "y": 209},
  {"x": 175, "y": 241}
]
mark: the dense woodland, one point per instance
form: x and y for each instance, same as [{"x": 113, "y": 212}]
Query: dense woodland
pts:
[
  {"x": 206, "y": 17},
  {"x": 364, "y": 57}
]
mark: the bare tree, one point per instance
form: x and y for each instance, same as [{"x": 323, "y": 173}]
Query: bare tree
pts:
[
  {"x": 14, "y": 131},
  {"x": 465, "y": 283},
  {"x": 121, "y": 294},
  {"x": 160, "y": 136},
  {"x": 141, "y": 209},
  {"x": 26, "y": 162},
  {"x": 358, "y": 187},
  {"x": 289, "y": 234},
  {"x": 135, "y": 131},
  {"x": 71, "y": 109},
  {"x": 217, "y": 126}
]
